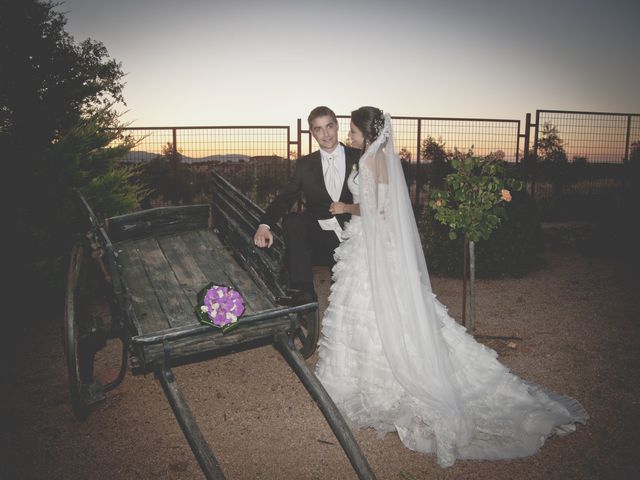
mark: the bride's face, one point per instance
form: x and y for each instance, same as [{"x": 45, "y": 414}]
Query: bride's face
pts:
[{"x": 356, "y": 137}]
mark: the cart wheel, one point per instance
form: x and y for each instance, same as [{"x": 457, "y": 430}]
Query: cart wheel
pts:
[
  {"x": 78, "y": 347},
  {"x": 305, "y": 337}
]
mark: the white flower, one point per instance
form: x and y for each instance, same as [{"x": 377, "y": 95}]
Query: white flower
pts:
[
  {"x": 232, "y": 317},
  {"x": 204, "y": 309}
]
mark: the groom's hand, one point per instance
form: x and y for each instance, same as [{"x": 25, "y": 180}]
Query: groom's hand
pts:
[{"x": 263, "y": 236}]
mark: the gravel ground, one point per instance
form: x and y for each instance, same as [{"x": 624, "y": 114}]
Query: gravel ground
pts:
[{"x": 576, "y": 320}]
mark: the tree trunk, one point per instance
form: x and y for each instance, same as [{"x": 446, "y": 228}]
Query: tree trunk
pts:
[
  {"x": 472, "y": 296},
  {"x": 465, "y": 277}
]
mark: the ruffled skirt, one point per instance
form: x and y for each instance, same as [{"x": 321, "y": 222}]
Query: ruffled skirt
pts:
[{"x": 510, "y": 418}]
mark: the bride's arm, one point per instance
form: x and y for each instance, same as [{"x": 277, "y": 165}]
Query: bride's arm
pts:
[{"x": 337, "y": 208}]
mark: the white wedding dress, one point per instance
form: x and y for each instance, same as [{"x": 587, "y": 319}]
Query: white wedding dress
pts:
[{"x": 393, "y": 359}]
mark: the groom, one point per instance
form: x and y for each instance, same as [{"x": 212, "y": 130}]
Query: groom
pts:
[{"x": 311, "y": 236}]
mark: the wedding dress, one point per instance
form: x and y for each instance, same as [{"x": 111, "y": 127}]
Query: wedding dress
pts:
[{"x": 393, "y": 359}]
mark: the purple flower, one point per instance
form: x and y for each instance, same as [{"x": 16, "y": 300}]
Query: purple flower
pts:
[{"x": 224, "y": 305}]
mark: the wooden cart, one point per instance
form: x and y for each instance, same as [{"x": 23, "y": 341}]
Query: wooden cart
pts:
[{"x": 150, "y": 266}]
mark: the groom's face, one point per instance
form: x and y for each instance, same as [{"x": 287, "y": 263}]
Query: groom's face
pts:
[{"x": 325, "y": 131}]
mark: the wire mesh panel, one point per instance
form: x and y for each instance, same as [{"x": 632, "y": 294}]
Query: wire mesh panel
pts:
[
  {"x": 593, "y": 137},
  {"x": 415, "y": 138},
  {"x": 150, "y": 143},
  {"x": 179, "y": 159},
  {"x": 582, "y": 152},
  {"x": 482, "y": 136}
]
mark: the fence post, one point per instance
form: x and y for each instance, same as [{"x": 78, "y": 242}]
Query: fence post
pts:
[
  {"x": 175, "y": 141},
  {"x": 626, "y": 146},
  {"x": 418, "y": 185},
  {"x": 299, "y": 141},
  {"x": 174, "y": 168},
  {"x": 534, "y": 158}
]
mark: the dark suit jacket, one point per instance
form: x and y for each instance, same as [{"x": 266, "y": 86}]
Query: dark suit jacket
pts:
[{"x": 307, "y": 179}]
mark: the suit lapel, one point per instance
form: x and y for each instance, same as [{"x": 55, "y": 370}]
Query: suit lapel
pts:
[{"x": 351, "y": 157}]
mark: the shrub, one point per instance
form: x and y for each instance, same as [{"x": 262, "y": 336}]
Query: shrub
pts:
[{"x": 513, "y": 249}]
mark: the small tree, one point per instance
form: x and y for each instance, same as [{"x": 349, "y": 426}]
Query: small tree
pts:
[
  {"x": 472, "y": 203},
  {"x": 433, "y": 152},
  {"x": 405, "y": 161},
  {"x": 551, "y": 152}
]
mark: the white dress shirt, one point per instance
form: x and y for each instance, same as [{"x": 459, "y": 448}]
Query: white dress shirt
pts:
[
  {"x": 339, "y": 160},
  {"x": 334, "y": 181}
]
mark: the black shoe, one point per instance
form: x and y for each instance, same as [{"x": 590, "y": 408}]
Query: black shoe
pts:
[{"x": 298, "y": 298}]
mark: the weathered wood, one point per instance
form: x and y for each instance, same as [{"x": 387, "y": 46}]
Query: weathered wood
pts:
[
  {"x": 157, "y": 221},
  {"x": 199, "y": 446},
  {"x": 212, "y": 342},
  {"x": 231, "y": 203},
  {"x": 143, "y": 307},
  {"x": 175, "y": 305},
  {"x": 223, "y": 189},
  {"x": 176, "y": 333},
  {"x": 328, "y": 408},
  {"x": 162, "y": 257},
  {"x": 71, "y": 329},
  {"x": 90, "y": 216},
  {"x": 187, "y": 271},
  {"x": 255, "y": 260},
  {"x": 238, "y": 277}
]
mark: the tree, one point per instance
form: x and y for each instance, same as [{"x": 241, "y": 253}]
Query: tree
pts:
[
  {"x": 58, "y": 132},
  {"x": 405, "y": 161},
  {"x": 169, "y": 178},
  {"x": 473, "y": 202},
  {"x": 550, "y": 148},
  {"x": 434, "y": 153}
]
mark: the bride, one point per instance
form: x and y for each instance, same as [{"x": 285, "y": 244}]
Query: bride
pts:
[{"x": 392, "y": 358}]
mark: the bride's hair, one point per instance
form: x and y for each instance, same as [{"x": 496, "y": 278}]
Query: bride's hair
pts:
[{"x": 370, "y": 121}]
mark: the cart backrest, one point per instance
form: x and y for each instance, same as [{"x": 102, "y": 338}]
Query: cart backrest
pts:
[{"x": 236, "y": 218}]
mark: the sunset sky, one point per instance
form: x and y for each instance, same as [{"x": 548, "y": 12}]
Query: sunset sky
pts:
[{"x": 253, "y": 62}]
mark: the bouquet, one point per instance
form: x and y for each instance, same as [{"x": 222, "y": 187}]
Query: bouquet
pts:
[{"x": 219, "y": 307}]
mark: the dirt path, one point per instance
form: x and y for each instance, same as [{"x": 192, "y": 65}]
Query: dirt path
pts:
[{"x": 578, "y": 320}]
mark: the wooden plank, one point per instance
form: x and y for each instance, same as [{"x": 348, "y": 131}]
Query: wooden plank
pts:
[
  {"x": 171, "y": 297},
  {"x": 240, "y": 279},
  {"x": 157, "y": 221},
  {"x": 252, "y": 258},
  {"x": 223, "y": 188},
  {"x": 184, "y": 266},
  {"x": 210, "y": 257},
  {"x": 148, "y": 315},
  {"x": 261, "y": 333},
  {"x": 232, "y": 203}
]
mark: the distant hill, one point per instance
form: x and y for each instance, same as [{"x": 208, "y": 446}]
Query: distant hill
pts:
[{"x": 140, "y": 156}]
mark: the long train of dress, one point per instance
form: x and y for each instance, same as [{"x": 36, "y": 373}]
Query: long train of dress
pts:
[{"x": 510, "y": 417}]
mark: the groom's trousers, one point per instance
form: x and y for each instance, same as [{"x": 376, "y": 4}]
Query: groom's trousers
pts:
[{"x": 306, "y": 245}]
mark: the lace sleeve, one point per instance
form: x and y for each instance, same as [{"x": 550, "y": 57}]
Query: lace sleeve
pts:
[{"x": 376, "y": 184}]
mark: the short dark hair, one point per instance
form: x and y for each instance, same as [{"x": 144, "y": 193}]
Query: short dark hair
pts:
[{"x": 321, "y": 111}]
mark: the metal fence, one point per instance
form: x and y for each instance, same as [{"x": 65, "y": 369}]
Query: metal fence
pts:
[
  {"x": 412, "y": 134},
  {"x": 483, "y": 136},
  {"x": 595, "y": 148},
  {"x": 259, "y": 159}
]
